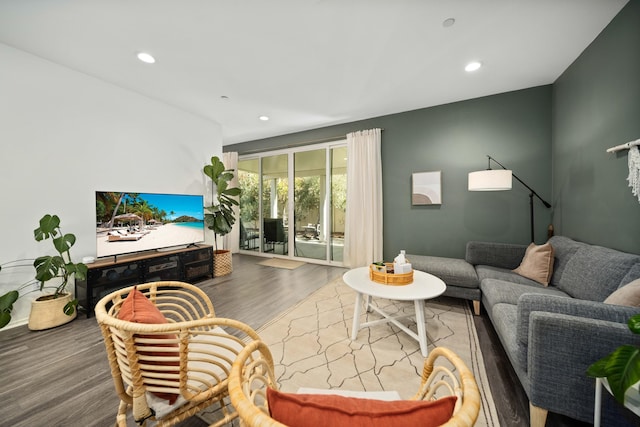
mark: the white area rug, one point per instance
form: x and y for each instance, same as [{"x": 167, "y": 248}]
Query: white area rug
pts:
[{"x": 311, "y": 346}]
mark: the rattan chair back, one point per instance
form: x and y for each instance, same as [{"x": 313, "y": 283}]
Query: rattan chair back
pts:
[
  {"x": 188, "y": 358},
  {"x": 444, "y": 374}
]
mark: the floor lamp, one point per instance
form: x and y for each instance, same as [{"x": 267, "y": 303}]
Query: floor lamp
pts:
[{"x": 498, "y": 180}]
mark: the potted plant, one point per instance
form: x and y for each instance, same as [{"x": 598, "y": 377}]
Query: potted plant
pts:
[
  {"x": 219, "y": 217},
  {"x": 57, "y": 308},
  {"x": 622, "y": 367}
]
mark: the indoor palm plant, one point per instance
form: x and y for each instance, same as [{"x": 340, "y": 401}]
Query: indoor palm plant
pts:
[
  {"x": 58, "y": 307},
  {"x": 219, "y": 217},
  {"x": 622, "y": 367}
]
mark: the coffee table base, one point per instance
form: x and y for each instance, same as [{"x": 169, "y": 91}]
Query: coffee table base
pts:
[{"x": 421, "y": 336}]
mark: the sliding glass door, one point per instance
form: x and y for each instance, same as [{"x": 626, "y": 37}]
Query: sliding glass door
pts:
[{"x": 293, "y": 202}]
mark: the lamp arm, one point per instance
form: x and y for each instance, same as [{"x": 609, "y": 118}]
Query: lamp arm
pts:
[{"x": 544, "y": 202}]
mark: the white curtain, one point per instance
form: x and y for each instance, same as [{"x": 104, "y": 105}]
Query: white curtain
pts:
[
  {"x": 231, "y": 241},
  {"x": 363, "y": 228}
]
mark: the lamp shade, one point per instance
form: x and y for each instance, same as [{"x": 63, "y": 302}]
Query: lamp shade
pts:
[{"x": 490, "y": 180}]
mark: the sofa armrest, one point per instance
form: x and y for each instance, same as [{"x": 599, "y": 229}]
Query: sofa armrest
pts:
[
  {"x": 503, "y": 255},
  {"x": 530, "y": 303},
  {"x": 561, "y": 347}
]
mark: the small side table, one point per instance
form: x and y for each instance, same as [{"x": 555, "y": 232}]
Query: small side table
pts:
[{"x": 632, "y": 400}]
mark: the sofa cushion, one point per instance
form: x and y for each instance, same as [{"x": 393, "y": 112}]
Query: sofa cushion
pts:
[
  {"x": 489, "y": 272},
  {"x": 537, "y": 263},
  {"x": 563, "y": 249},
  {"x": 633, "y": 274},
  {"x": 324, "y": 409},
  {"x": 453, "y": 271},
  {"x": 500, "y": 291},
  {"x": 503, "y": 255},
  {"x": 628, "y": 295},
  {"x": 594, "y": 272}
]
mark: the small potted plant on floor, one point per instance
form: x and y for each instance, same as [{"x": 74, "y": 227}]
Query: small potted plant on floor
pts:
[
  {"x": 59, "y": 307},
  {"x": 219, "y": 217}
]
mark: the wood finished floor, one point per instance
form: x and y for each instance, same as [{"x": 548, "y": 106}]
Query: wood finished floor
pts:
[{"x": 60, "y": 377}]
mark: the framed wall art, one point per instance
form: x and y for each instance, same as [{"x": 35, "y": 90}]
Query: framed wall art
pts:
[{"x": 426, "y": 188}]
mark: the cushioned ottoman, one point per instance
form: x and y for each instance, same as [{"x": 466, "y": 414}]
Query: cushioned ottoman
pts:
[{"x": 459, "y": 276}]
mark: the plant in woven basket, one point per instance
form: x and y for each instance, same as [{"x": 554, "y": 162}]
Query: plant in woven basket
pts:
[
  {"x": 622, "y": 367},
  {"x": 220, "y": 217},
  {"x": 58, "y": 266}
]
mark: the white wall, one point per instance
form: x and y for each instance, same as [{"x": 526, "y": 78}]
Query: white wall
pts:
[{"x": 64, "y": 135}]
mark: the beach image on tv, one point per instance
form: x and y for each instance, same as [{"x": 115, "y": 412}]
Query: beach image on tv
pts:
[{"x": 133, "y": 222}]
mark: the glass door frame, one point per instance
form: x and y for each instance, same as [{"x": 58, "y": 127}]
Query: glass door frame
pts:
[{"x": 326, "y": 203}]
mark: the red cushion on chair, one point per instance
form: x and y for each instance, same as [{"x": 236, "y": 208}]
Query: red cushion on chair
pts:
[
  {"x": 138, "y": 309},
  {"x": 301, "y": 410}
]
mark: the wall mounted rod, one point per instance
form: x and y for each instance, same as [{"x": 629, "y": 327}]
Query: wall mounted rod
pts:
[{"x": 624, "y": 146}]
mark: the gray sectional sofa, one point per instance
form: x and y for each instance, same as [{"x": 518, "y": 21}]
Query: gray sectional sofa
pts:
[{"x": 551, "y": 334}]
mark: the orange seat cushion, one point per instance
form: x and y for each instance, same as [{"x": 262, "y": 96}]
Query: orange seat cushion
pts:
[
  {"x": 138, "y": 309},
  {"x": 300, "y": 410}
]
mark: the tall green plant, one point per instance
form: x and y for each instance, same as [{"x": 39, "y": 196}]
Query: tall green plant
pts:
[
  {"x": 622, "y": 367},
  {"x": 220, "y": 217},
  {"x": 57, "y": 266}
]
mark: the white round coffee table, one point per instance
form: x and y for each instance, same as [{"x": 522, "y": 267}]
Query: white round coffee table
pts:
[{"x": 425, "y": 286}]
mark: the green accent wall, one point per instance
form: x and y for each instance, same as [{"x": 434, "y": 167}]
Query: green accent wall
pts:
[
  {"x": 513, "y": 127},
  {"x": 596, "y": 105}
]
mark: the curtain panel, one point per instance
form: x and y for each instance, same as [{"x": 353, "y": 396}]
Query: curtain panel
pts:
[{"x": 363, "y": 221}]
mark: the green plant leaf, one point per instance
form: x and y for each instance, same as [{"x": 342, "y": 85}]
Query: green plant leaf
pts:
[
  {"x": 232, "y": 192},
  {"x": 634, "y": 324},
  {"x": 5, "y": 318},
  {"x": 48, "y": 267},
  {"x": 7, "y": 300},
  {"x": 623, "y": 370},
  {"x": 48, "y": 227},
  {"x": 64, "y": 243},
  {"x": 70, "y": 307},
  {"x": 599, "y": 369}
]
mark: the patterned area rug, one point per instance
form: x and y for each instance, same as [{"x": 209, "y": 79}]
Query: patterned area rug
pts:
[
  {"x": 282, "y": 263},
  {"x": 311, "y": 346}
]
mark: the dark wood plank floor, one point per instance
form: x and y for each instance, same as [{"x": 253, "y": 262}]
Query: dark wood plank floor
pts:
[{"x": 60, "y": 377}]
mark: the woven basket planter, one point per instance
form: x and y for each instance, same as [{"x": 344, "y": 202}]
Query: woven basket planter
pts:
[
  {"x": 48, "y": 312},
  {"x": 222, "y": 263}
]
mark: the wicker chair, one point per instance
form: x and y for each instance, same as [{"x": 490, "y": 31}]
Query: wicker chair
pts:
[
  {"x": 189, "y": 357},
  {"x": 253, "y": 372}
]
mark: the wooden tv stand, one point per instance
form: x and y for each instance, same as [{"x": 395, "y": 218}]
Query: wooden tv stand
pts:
[{"x": 107, "y": 275}]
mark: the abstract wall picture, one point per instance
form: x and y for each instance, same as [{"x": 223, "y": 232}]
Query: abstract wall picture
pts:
[{"x": 426, "y": 188}]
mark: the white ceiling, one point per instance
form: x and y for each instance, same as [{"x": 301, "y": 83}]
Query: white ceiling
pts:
[{"x": 307, "y": 63}]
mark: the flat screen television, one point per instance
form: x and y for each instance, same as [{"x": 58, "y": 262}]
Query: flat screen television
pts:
[{"x": 135, "y": 222}]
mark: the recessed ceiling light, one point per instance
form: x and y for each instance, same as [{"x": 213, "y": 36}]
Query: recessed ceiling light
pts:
[
  {"x": 146, "y": 57},
  {"x": 448, "y": 22},
  {"x": 264, "y": 118},
  {"x": 473, "y": 66}
]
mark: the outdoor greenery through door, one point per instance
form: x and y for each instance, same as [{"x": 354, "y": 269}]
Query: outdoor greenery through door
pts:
[{"x": 312, "y": 225}]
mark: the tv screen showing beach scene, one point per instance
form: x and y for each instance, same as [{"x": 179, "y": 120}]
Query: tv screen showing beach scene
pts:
[{"x": 135, "y": 222}]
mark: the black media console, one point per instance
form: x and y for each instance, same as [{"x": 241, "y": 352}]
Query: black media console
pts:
[{"x": 105, "y": 276}]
